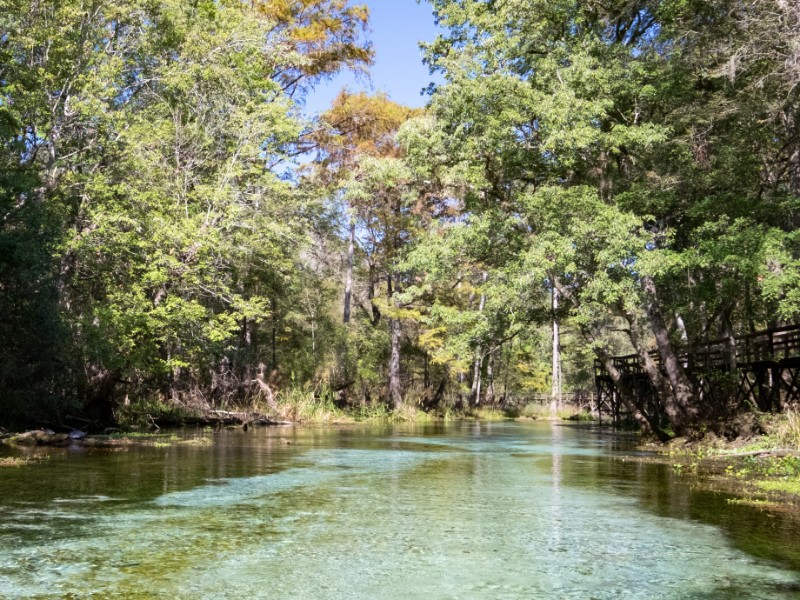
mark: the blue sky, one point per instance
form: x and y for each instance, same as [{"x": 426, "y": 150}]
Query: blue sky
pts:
[{"x": 397, "y": 27}]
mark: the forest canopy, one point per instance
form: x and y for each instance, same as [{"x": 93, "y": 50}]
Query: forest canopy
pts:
[{"x": 625, "y": 174}]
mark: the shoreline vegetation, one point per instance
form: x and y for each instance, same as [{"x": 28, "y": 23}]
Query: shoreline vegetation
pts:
[
  {"x": 295, "y": 410},
  {"x": 761, "y": 467}
]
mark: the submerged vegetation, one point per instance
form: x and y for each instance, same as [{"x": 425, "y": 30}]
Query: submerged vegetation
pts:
[
  {"x": 589, "y": 179},
  {"x": 21, "y": 461},
  {"x": 761, "y": 471}
]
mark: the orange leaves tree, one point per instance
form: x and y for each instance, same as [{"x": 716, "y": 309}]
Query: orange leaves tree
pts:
[
  {"x": 361, "y": 161},
  {"x": 322, "y": 36}
]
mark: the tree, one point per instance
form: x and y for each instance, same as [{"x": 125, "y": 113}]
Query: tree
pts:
[
  {"x": 319, "y": 37},
  {"x": 151, "y": 139},
  {"x": 356, "y": 126},
  {"x": 567, "y": 117}
]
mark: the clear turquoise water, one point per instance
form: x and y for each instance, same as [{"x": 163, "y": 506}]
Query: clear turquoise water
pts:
[{"x": 465, "y": 510}]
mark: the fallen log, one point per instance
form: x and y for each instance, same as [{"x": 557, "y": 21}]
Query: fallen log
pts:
[
  {"x": 776, "y": 453},
  {"x": 220, "y": 418},
  {"x": 241, "y": 418},
  {"x": 38, "y": 437}
]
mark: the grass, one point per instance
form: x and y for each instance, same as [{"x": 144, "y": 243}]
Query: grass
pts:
[
  {"x": 487, "y": 413},
  {"x": 21, "y": 461},
  {"x": 539, "y": 410},
  {"x": 301, "y": 405},
  {"x": 766, "y": 470},
  {"x": 786, "y": 430},
  {"x": 782, "y": 432},
  {"x": 307, "y": 405}
]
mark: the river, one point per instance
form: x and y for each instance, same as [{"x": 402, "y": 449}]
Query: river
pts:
[{"x": 461, "y": 510}]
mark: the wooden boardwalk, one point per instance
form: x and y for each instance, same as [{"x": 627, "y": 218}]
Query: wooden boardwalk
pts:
[{"x": 759, "y": 371}]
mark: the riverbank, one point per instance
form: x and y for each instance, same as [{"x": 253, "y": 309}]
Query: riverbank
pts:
[
  {"x": 303, "y": 408},
  {"x": 143, "y": 425},
  {"x": 760, "y": 469}
]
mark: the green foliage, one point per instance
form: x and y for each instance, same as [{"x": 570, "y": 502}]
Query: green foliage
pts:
[
  {"x": 609, "y": 151},
  {"x": 787, "y": 430},
  {"x": 151, "y": 242},
  {"x": 636, "y": 161}
]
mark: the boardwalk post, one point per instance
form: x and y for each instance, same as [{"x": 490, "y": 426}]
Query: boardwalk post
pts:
[{"x": 767, "y": 363}]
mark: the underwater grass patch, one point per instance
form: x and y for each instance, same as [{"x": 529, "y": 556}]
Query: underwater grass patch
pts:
[
  {"x": 755, "y": 502},
  {"x": 155, "y": 440},
  {"x": 785, "y": 486},
  {"x": 197, "y": 441},
  {"x": 143, "y": 436},
  {"x": 21, "y": 461}
]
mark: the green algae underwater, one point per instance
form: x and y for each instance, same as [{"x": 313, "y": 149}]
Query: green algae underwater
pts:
[{"x": 441, "y": 510}]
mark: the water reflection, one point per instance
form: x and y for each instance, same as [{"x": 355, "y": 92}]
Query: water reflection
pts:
[
  {"x": 759, "y": 531},
  {"x": 441, "y": 511},
  {"x": 556, "y": 509}
]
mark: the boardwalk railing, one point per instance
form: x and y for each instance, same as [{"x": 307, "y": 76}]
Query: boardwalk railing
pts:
[{"x": 764, "y": 368}]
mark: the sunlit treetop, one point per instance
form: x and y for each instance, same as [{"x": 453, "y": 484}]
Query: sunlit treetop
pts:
[
  {"x": 326, "y": 36},
  {"x": 359, "y": 125}
]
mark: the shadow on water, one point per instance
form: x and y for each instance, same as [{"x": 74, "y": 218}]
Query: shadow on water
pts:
[{"x": 760, "y": 531}]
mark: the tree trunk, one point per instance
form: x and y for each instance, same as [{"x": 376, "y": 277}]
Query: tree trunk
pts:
[
  {"x": 646, "y": 422},
  {"x": 681, "y": 324},
  {"x": 395, "y": 389},
  {"x": 99, "y": 406},
  {"x": 460, "y": 380},
  {"x": 506, "y": 372},
  {"x": 686, "y": 414},
  {"x": 748, "y": 308},
  {"x": 794, "y": 164},
  {"x": 249, "y": 342},
  {"x": 726, "y": 333},
  {"x": 439, "y": 395},
  {"x": 376, "y": 313},
  {"x": 555, "y": 392},
  {"x": 475, "y": 391},
  {"x": 490, "y": 380},
  {"x": 348, "y": 286},
  {"x": 274, "y": 365},
  {"x": 658, "y": 381}
]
